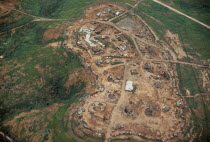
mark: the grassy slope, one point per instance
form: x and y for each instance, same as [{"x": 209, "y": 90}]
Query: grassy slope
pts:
[
  {"x": 195, "y": 36},
  {"x": 199, "y": 9},
  {"x": 58, "y": 125},
  {"x": 124, "y": 1},
  {"x": 55, "y": 8},
  {"x": 188, "y": 79},
  {"x": 195, "y": 39},
  {"x": 13, "y": 23},
  {"x": 26, "y": 43},
  {"x": 69, "y": 9},
  {"x": 33, "y": 73}
]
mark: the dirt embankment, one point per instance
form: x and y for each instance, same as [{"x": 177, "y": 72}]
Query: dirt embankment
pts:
[{"x": 174, "y": 42}]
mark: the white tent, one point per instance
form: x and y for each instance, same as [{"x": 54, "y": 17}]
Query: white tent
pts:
[{"x": 129, "y": 86}]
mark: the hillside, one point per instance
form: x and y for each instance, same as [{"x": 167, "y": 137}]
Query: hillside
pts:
[{"x": 65, "y": 66}]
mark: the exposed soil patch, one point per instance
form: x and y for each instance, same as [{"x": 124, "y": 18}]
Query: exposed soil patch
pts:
[
  {"x": 32, "y": 125},
  {"x": 51, "y": 34},
  {"x": 175, "y": 43},
  {"x": 150, "y": 107}
]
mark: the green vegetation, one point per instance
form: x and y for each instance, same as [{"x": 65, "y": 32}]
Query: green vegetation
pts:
[
  {"x": 195, "y": 40},
  {"x": 118, "y": 19},
  {"x": 85, "y": 137},
  {"x": 2, "y": 138},
  {"x": 129, "y": 15},
  {"x": 124, "y": 140},
  {"x": 127, "y": 6},
  {"x": 124, "y": 1},
  {"x": 130, "y": 40},
  {"x": 200, "y": 115},
  {"x": 188, "y": 79},
  {"x": 35, "y": 73},
  {"x": 14, "y": 23},
  {"x": 194, "y": 36},
  {"x": 69, "y": 9},
  {"x": 199, "y": 9},
  {"x": 116, "y": 63},
  {"x": 58, "y": 125}
]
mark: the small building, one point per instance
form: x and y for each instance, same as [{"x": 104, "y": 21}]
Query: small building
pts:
[
  {"x": 117, "y": 13},
  {"x": 99, "y": 14},
  {"x": 105, "y": 12},
  {"x": 123, "y": 48},
  {"x": 98, "y": 62},
  {"x": 106, "y": 19},
  {"x": 92, "y": 29},
  {"x": 166, "y": 109},
  {"x": 148, "y": 67},
  {"x": 97, "y": 51},
  {"x": 90, "y": 43},
  {"x": 134, "y": 72},
  {"x": 129, "y": 86},
  {"x": 179, "y": 102},
  {"x": 79, "y": 43},
  {"x": 102, "y": 89},
  {"x": 109, "y": 78},
  {"x": 119, "y": 38},
  {"x": 80, "y": 110},
  {"x": 107, "y": 61},
  {"x": 166, "y": 75},
  {"x": 157, "y": 84},
  {"x": 118, "y": 126}
]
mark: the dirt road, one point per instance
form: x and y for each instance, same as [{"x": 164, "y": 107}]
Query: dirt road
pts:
[
  {"x": 133, "y": 37},
  {"x": 150, "y": 44},
  {"x": 122, "y": 98},
  {"x": 177, "y": 62},
  {"x": 137, "y": 47},
  {"x": 125, "y": 12},
  {"x": 170, "y": 61},
  {"x": 189, "y": 17},
  {"x": 37, "y": 18},
  {"x": 118, "y": 105}
]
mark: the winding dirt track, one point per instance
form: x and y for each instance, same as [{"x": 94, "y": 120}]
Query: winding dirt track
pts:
[
  {"x": 189, "y": 17},
  {"x": 37, "y": 18},
  {"x": 134, "y": 38},
  {"x": 177, "y": 62},
  {"x": 123, "y": 31},
  {"x": 148, "y": 43},
  {"x": 127, "y": 11}
]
